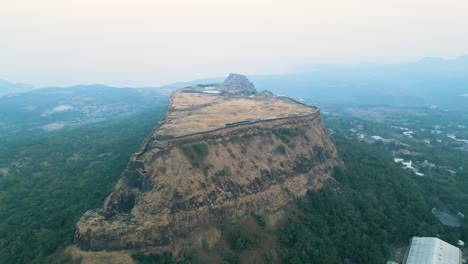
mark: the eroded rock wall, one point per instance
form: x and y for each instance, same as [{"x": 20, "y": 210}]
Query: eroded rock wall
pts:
[{"x": 173, "y": 186}]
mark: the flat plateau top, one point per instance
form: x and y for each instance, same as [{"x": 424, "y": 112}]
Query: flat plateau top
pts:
[{"x": 204, "y": 109}]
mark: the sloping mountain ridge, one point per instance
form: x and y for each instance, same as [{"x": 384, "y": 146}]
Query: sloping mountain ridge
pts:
[
  {"x": 217, "y": 156},
  {"x": 7, "y": 88}
]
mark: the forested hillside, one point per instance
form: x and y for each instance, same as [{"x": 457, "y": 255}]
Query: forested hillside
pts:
[
  {"x": 376, "y": 205},
  {"x": 47, "y": 182},
  {"x": 373, "y": 205}
]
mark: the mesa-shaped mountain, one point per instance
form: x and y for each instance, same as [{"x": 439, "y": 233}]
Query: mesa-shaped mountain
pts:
[{"x": 222, "y": 152}]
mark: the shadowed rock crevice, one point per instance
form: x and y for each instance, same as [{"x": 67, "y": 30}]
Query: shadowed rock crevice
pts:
[{"x": 127, "y": 202}]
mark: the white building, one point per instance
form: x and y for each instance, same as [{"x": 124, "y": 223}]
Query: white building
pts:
[
  {"x": 407, "y": 164},
  {"x": 431, "y": 250},
  {"x": 408, "y": 134},
  {"x": 452, "y": 136}
]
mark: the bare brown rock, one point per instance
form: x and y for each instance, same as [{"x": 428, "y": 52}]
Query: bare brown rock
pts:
[
  {"x": 215, "y": 157},
  {"x": 236, "y": 83},
  {"x": 78, "y": 256}
]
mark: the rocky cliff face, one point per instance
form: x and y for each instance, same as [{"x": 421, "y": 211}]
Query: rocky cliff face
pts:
[
  {"x": 218, "y": 169},
  {"x": 235, "y": 83}
]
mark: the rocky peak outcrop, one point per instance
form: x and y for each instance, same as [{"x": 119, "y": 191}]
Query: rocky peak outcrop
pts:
[
  {"x": 213, "y": 158},
  {"x": 236, "y": 83}
]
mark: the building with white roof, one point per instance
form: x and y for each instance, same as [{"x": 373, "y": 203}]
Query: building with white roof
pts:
[
  {"x": 431, "y": 250},
  {"x": 407, "y": 164}
]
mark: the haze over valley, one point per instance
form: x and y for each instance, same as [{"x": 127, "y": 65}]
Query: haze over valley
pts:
[{"x": 322, "y": 132}]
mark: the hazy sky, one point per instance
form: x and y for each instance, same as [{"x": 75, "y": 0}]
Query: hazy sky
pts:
[{"x": 149, "y": 43}]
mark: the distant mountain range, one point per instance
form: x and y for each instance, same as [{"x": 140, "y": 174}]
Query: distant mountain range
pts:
[
  {"x": 51, "y": 109},
  {"x": 13, "y": 88},
  {"x": 428, "y": 82}
]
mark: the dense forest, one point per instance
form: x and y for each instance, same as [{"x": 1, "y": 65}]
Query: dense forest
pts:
[
  {"x": 53, "y": 178},
  {"x": 376, "y": 205},
  {"x": 373, "y": 205}
]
